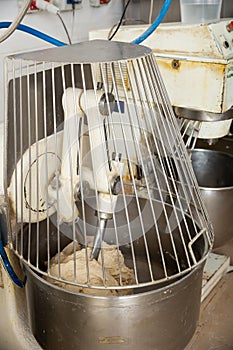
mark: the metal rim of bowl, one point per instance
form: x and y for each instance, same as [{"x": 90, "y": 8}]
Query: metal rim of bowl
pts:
[{"x": 131, "y": 296}]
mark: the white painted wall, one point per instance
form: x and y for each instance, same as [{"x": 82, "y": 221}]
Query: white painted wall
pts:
[{"x": 88, "y": 18}]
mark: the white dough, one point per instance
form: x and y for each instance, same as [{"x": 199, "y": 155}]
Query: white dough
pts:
[{"x": 90, "y": 272}]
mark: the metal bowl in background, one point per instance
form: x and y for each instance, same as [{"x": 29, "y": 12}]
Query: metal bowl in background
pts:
[{"x": 214, "y": 172}]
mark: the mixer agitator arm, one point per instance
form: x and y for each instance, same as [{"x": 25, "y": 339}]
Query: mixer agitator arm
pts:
[{"x": 102, "y": 174}]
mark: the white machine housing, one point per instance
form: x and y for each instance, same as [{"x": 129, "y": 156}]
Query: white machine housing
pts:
[{"x": 196, "y": 63}]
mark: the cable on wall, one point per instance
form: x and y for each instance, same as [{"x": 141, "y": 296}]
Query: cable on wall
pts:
[
  {"x": 120, "y": 21},
  {"x": 153, "y": 26},
  {"x": 56, "y": 42},
  {"x": 35, "y": 33},
  {"x": 65, "y": 28}
]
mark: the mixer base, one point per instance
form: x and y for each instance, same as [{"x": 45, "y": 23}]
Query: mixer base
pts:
[{"x": 215, "y": 268}]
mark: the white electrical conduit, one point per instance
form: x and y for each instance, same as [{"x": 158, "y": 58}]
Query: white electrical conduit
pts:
[
  {"x": 151, "y": 11},
  {"x": 17, "y": 21}
]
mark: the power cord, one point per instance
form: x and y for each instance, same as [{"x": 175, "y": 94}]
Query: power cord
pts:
[
  {"x": 121, "y": 20},
  {"x": 47, "y": 6},
  {"x": 73, "y": 17},
  {"x": 56, "y": 42},
  {"x": 65, "y": 28},
  {"x": 73, "y": 5}
]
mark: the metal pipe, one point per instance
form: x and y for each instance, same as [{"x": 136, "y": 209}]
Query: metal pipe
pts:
[{"x": 100, "y": 231}]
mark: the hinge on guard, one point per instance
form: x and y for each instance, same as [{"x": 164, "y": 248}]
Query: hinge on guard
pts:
[{"x": 3, "y": 241}]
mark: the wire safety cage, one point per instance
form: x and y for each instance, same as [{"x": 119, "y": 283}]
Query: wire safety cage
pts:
[{"x": 102, "y": 196}]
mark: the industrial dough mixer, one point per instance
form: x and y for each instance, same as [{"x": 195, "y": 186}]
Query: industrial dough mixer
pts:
[
  {"x": 196, "y": 64},
  {"x": 99, "y": 177}
]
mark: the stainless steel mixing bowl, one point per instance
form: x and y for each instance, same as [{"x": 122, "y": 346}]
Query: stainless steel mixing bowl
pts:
[
  {"x": 162, "y": 316},
  {"x": 163, "y": 319},
  {"x": 214, "y": 172}
]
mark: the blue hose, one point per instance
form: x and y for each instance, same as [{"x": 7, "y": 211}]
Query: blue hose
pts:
[
  {"x": 34, "y": 32},
  {"x": 155, "y": 24},
  {"x": 8, "y": 267},
  {"x": 56, "y": 42}
]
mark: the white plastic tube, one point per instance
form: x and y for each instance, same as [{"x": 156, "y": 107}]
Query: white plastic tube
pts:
[
  {"x": 47, "y": 6},
  {"x": 17, "y": 21}
]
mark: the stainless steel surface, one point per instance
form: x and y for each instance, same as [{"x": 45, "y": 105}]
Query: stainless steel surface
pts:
[
  {"x": 214, "y": 171},
  {"x": 94, "y": 51},
  {"x": 110, "y": 165},
  {"x": 99, "y": 237},
  {"x": 202, "y": 116},
  {"x": 161, "y": 319}
]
